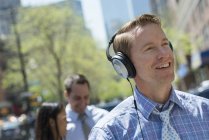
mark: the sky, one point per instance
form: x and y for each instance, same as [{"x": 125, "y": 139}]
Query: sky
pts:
[
  {"x": 94, "y": 20},
  {"x": 92, "y": 16},
  {"x": 90, "y": 8},
  {"x": 37, "y": 2}
]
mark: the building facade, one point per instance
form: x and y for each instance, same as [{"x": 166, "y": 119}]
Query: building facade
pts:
[
  {"x": 108, "y": 16},
  {"x": 5, "y": 16}
]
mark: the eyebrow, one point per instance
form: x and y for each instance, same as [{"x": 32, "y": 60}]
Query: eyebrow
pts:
[
  {"x": 150, "y": 43},
  {"x": 165, "y": 39}
]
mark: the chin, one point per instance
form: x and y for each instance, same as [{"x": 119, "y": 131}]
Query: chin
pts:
[
  {"x": 170, "y": 78},
  {"x": 167, "y": 78},
  {"x": 82, "y": 111}
]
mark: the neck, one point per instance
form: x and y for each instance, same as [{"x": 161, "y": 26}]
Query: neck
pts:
[{"x": 158, "y": 93}]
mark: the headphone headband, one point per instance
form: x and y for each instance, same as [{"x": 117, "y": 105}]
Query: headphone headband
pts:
[{"x": 109, "y": 57}]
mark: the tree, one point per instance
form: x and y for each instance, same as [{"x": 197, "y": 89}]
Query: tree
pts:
[
  {"x": 3, "y": 65},
  {"x": 55, "y": 43},
  {"x": 47, "y": 31},
  {"x": 19, "y": 48}
]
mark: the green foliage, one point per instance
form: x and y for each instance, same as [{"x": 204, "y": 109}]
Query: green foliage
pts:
[
  {"x": 120, "y": 89},
  {"x": 55, "y": 44},
  {"x": 12, "y": 78}
]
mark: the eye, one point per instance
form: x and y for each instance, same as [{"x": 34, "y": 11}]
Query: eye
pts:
[
  {"x": 77, "y": 98},
  {"x": 149, "y": 48},
  {"x": 86, "y": 97},
  {"x": 165, "y": 44}
]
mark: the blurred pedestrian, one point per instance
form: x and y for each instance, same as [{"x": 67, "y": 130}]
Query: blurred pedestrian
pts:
[
  {"x": 81, "y": 117},
  {"x": 51, "y": 122},
  {"x": 155, "y": 111}
]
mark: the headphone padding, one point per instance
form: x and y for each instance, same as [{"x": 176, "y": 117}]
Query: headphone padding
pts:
[{"x": 127, "y": 64}]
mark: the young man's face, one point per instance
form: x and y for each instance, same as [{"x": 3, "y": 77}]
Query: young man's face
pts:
[
  {"x": 152, "y": 56},
  {"x": 79, "y": 97}
]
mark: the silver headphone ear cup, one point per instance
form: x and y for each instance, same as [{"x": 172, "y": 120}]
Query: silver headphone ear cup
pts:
[
  {"x": 123, "y": 65},
  {"x": 120, "y": 68}
]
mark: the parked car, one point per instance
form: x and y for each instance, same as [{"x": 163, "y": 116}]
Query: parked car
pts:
[
  {"x": 204, "y": 93},
  {"x": 202, "y": 90},
  {"x": 109, "y": 105},
  {"x": 9, "y": 124},
  {"x": 12, "y": 127}
]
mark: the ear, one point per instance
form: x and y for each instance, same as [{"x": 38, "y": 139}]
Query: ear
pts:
[{"x": 66, "y": 94}]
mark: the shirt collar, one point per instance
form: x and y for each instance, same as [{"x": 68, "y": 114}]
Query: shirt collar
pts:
[
  {"x": 74, "y": 115},
  {"x": 174, "y": 98},
  {"x": 146, "y": 105}
]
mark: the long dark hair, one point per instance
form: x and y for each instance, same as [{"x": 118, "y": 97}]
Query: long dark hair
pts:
[{"x": 42, "y": 128}]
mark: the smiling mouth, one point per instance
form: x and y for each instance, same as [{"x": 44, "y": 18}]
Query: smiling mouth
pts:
[{"x": 165, "y": 65}]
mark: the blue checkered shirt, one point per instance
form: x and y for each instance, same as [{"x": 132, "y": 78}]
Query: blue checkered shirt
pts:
[{"x": 189, "y": 117}]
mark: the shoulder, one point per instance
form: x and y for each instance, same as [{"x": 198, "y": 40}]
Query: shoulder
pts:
[
  {"x": 193, "y": 102},
  {"x": 70, "y": 114},
  {"x": 122, "y": 118},
  {"x": 121, "y": 112},
  {"x": 95, "y": 110},
  {"x": 190, "y": 97},
  {"x": 95, "y": 113}
]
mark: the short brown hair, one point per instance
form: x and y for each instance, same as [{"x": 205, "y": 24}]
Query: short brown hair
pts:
[
  {"x": 123, "y": 38},
  {"x": 75, "y": 79}
]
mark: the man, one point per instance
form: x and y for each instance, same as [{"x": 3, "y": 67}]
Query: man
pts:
[
  {"x": 155, "y": 111},
  {"x": 80, "y": 117}
]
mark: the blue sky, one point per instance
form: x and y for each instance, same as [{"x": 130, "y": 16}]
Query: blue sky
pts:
[
  {"x": 91, "y": 11},
  {"x": 37, "y": 2},
  {"x": 92, "y": 16}
]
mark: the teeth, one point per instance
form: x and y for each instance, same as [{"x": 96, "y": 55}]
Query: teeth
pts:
[{"x": 164, "y": 65}]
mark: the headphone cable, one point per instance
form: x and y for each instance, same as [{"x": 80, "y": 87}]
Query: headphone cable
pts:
[{"x": 136, "y": 108}]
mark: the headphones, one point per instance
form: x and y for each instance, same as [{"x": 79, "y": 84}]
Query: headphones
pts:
[{"x": 121, "y": 63}]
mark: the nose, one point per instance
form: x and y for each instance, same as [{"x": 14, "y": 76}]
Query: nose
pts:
[
  {"x": 84, "y": 102},
  {"x": 163, "y": 52}
]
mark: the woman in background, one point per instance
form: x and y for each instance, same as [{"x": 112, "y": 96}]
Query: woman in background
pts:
[{"x": 51, "y": 122}]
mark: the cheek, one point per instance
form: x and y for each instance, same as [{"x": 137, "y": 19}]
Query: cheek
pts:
[
  {"x": 88, "y": 102},
  {"x": 62, "y": 124},
  {"x": 74, "y": 102},
  {"x": 142, "y": 63},
  {"x": 75, "y": 105},
  {"x": 172, "y": 57}
]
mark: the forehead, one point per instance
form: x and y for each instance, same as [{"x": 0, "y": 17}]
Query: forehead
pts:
[
  {"x": 147, "y": 33},
  {"x": 80, "y": 89}
]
